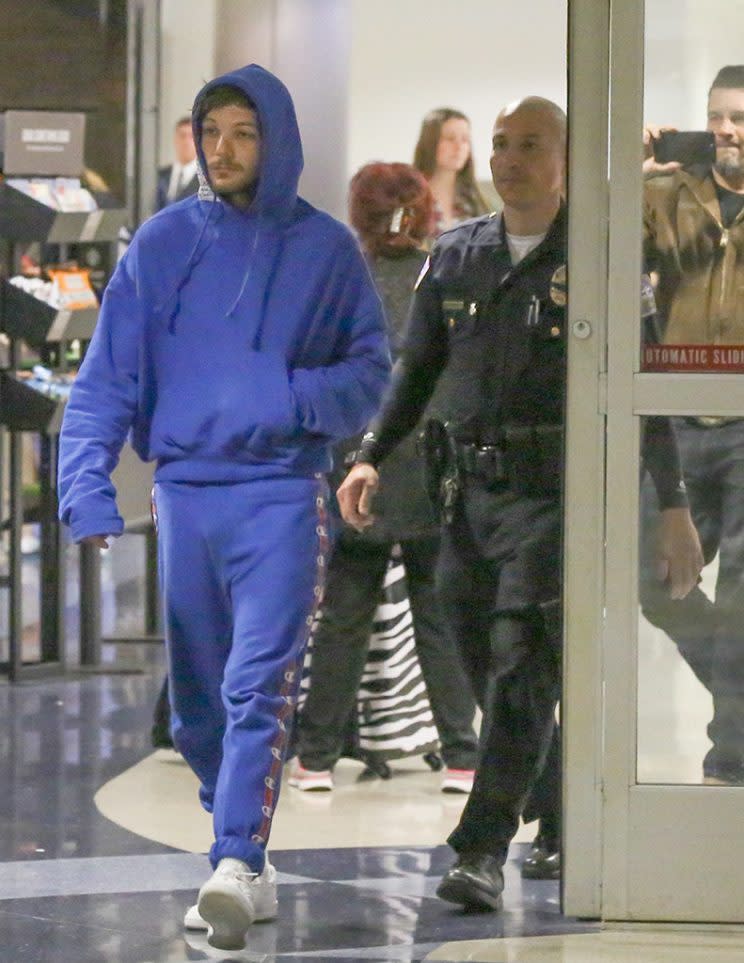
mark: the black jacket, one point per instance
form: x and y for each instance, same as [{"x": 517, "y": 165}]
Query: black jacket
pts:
[
  {"x": 401, "y": 506},
  {"x": 163, "y": 183}
]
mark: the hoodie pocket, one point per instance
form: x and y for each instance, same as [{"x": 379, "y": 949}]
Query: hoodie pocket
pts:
[
  {"x": 274, "y": 418},
  {"x": 238, "y": 408}
]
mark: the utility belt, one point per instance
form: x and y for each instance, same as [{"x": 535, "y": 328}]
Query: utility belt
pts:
[
  {"x": 528, "y": 460},
  {"x": 487, "y": 462}
]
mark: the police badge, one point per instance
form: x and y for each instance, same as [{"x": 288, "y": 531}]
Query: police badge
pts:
[{"x": 558, "y": 287}]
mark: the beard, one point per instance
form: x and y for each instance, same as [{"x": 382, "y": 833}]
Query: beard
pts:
[
  {"x": 730, "y": 166},
  {"x": 246, "y": 192}
]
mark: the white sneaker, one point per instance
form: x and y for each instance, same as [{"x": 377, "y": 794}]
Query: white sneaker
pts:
[
  {"x": 231, "y": 900},
  {"x": 458, "y": 780},
  {"x": 311, "y": 780},
  {"x": 193, "y": 920}
]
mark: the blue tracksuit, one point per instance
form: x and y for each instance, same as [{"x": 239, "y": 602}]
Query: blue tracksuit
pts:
[{"x": 234, "y": 346}]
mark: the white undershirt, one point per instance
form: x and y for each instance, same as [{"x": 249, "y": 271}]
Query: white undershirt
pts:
[{"x": 520, "y": 245}]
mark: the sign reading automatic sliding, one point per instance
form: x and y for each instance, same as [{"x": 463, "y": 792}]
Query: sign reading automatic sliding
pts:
[{"x": 693, "y": 357}]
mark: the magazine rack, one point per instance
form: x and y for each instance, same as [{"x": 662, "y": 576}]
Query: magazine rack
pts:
[{"x": 25, "y": 408}]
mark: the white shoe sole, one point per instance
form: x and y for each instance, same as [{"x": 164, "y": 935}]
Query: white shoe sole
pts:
[
  {"x": 457, "y": 780},
  {"x": 228, "y": 916},
  {"x": 195, "y": 923},
  {"x": 452, "y": 787},
  {"x": 317, "y": 784},
  {"x": 266, "y": 912}
]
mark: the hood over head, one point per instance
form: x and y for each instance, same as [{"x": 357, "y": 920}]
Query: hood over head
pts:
[{"x": 281, "y": 148}]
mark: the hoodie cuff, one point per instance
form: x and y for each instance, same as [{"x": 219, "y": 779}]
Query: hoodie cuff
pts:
[{"x": 87, "y": 526}]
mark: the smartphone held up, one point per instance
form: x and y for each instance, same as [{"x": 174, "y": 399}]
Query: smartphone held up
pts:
[{"x": 689, "y": 148}]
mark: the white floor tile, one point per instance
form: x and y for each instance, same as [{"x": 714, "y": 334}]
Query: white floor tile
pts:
[
  {"x": 662, "y": 946},
  {"x": 157, "y": 799}
]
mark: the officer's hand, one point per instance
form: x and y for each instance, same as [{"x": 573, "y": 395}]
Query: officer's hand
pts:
[
  {"x": 355, "y": 496},
  {"x": 651, "y": 166},
  {"x": 97, "y": 541},
  {"x": 679, "y": 555}
]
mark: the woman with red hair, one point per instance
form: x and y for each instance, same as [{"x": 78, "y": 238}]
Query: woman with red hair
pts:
[
  {"x": 391, "y": 209},
  {"x": 444, "y": 156}
]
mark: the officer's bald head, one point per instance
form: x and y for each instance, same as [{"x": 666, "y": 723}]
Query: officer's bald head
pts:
[{"x": 546, "y": 114}]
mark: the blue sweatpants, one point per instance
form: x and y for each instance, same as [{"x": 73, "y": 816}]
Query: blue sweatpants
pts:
[{"x": 241, "y": 571}]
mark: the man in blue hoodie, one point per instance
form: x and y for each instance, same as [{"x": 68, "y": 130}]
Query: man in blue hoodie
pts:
[{"x": 238, "y": 338}]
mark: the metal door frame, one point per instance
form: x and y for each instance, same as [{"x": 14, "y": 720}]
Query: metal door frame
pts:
[
  {"x": 581, "y": 712},
  {"x": 616, "y": 829}
]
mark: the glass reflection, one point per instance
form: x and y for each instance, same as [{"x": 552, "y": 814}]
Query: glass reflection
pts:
[
  {"x": 707, "y": 626},
  {"x": 691, "y": 728}
]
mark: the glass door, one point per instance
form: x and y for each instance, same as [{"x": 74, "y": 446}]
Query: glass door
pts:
[{"x": 655, "y": 685}]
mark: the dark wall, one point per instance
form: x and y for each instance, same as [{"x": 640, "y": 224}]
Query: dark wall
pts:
[{"x": 71, "y": 55}]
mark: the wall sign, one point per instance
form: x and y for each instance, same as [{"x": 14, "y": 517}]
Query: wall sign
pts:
[
  {"x": 43, "y": 142},
  {"x": 721, "y": 358}
]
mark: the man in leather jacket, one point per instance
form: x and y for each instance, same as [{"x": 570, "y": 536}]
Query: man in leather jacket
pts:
[{"x": 694, "y": 246}]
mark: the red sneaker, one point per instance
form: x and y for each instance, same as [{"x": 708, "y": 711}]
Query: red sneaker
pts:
[
  {"x": 458, "y": 780},
  {"x": 311, "y": 780}
]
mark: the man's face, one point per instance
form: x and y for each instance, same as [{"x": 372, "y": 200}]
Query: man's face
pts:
[
  {"x": 527, "y": 157},
  {"x": 183, "y": 144},
  {"x": 726, "y": 121},
  {"x": 231, "y": 142}
]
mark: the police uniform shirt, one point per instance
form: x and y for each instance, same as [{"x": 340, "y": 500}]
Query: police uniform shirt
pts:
[{"x": 497, "y": 328}]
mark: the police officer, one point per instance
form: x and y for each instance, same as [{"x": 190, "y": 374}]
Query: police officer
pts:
[{"x": 489, "y": 316}]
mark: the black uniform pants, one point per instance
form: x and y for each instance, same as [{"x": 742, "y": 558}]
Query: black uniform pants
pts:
[
  {"x": 499, "y": 583},
  {"x": 709, "y": 634},
  {"x": 354, "y": 580}
]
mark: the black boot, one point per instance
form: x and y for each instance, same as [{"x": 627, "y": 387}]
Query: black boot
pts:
[
  {"x": 543, "y": 860},
  {"x": 476, "y": 882}
]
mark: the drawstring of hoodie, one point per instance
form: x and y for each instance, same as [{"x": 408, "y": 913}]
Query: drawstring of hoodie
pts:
[
  {"x": 191, "y": 262},
  {"x": 248, "y": 273},
  {"x": 268, "y": 286},
  {"x": 255, "y": 341}
]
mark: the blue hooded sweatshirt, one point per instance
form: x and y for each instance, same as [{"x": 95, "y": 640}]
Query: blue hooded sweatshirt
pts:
[{"x": 232, "y": 344}]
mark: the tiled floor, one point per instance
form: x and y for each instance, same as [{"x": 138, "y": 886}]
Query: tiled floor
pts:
[
  {"x": 102, "y": 842},
  {"x": 76, "y": 886}
]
